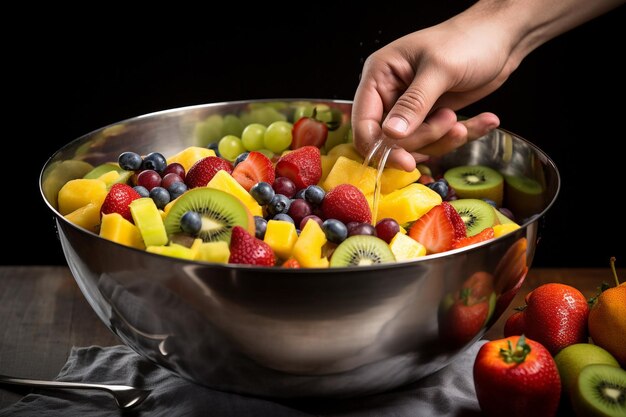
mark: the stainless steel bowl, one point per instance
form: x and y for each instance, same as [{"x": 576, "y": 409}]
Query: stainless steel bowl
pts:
[{"x": 283, "y": 332}]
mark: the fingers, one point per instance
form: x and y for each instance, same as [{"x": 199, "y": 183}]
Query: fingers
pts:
[{"x": 412, "y": 107}]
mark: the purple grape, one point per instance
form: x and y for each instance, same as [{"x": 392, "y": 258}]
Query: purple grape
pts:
[
  {"x": 311, "y": 217},
  {"x": 284, "y": 186},
  {"x": 298, "y": 210},
  {"x": 387, "y": 228},
  {"x": 149, "y": 179},
  {"x": 362, "y": 229}
]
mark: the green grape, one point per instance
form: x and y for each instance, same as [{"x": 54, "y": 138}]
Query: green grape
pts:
[
  {"x": 337, "y": 136},
  {"x": 277, "y": 137},
  {"x": 252, "y": 136},
  {"x": 232, "y": 126},
  {"x": 267, "y": 153},
  {"x": 305, "y": 110},
  {"x": 230, "y": 147},
  {"x": 210, "y": 130}
]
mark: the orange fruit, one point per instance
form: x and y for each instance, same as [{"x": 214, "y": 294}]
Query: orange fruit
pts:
[{"x": 607, "y": 320}]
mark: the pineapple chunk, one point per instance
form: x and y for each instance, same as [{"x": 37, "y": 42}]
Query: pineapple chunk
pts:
[
  {"x": 328, "y": 161},
  {"x": 408, "y": 204},
  {"x": 189, "y": 156},
  {"x": 87, "y": 217},
  {"x": 346, "y": 150},
  {"x": 149, "y": 221},
  {"x": 225, "y": 182},
  {"x": 347, "y": 171},
  {"x": 281, "y": 236},
  {"x": 174, "y": 250},
  {"x": 80, "y": 192},
  {"x": 308, "y": 247},
  {"x": 213, "y": 252},
  {"x": 394, "y": 179},
  {"x": 503, "y": 229},
  {"x": 405, "y": 248},
  {"x": 116, "y": 228}
]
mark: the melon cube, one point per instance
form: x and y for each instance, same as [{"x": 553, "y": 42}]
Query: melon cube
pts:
[
  {"x": 116, "y": 228},
  {"x": 174, "y": 250},
  {"x": 281, "y": 236}
]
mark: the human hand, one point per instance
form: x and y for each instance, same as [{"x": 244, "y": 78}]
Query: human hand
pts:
[{"x": 413, "y": 86}]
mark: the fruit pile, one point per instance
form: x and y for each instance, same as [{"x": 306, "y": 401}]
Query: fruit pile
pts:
[
  {"x": 276, "y": 193},
  {"x": 546, "y": 364}
]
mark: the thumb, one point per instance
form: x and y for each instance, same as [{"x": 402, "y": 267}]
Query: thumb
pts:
[{"x": 413, "y": 106}]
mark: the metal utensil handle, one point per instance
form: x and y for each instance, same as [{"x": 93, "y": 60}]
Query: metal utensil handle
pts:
[{"x": 60, "y": 384}]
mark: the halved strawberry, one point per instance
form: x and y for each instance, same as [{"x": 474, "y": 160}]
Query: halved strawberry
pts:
[
  {"x": 118, "y": 200},
  {"x": 460, "y": 231},
  {"x": 346, "y": 203},
  {"x": 308, "y": 131},
  {"x": 303, "y": 166},
  {"x": 485, "y": 234},
  {"x": 247, "y": 249},
  {"x": 254, "y": 169},
  {"x": 204, "y": 170},
  {"x": 434, "y": 230}
]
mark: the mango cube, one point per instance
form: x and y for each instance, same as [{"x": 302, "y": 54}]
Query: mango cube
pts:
[
  {"x": 408, "y": 204},
  {"x": 281, "y": 236},
  {"x": 346, "y": 150},
  {"x": 87, "y": 217},
  {"x": 503, "y": 229},
  {"x": 347, "y": 171},
  {"x": 405, "y": 248},
  {"x": 328, "y": 161},
  {"x": 116, "y": 228},
  {"x": 225, "y": 182},
  {"x": 308, "y": 248},
  {"x": 394, "y": 179},
  {"x": 213, "y": 252},
  {"x": 189, "y": 156},
  {"x": 148, "y": 219},
  {"x": 80, "y": 192}
]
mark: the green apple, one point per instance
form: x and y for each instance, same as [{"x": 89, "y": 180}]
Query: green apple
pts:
[{"x": 572, "y": 359}]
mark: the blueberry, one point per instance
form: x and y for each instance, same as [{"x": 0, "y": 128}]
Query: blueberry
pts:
[
  {"x": 213, "y": 146},
  {"x": 300, "y": 194},
  {"x": 490, "y": 202},
  {"x": 260, "y": 225},
  {"x": 191, "y": 222},
  {"x": 440, "y": 187},
  {"x": 154, "y": 161},
  {"x": 130, "y": 161},
  {"x": 176, "y": 190},
  {"x": 160, "y": 196},
  {"x": 242, "y": 157},
  {"x": 142, "y": 191},
  {"x": 262, "y": 192},
  {"x": 284, "y": 217},
  {"x": 279, "y": 204},
  {"x": 314, "y": 194},
  {"x": 335, "y": 230}
]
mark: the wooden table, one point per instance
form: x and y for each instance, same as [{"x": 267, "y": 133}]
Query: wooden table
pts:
[{"x": 43, "y": 314}]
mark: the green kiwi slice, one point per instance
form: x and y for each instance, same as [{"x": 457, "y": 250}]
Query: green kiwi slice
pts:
[
  {"x": 476, "y": 214},
  {"x": 361, "y": 250},
  {"x": 524, "y": 196},
  {"x": 476, "y": 181},
  {"x": 220, "y": 212},
  {"x": 600, "y": 391}
]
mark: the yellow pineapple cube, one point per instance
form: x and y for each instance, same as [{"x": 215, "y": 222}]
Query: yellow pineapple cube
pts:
[
  {"x": 394, "y": 179},
  {"x": 405, "y": 248},
  {"x": 174, "y": 250},
  {"x": 408, "y": 204},
  {"x": 308, "y": 248},
  {"x": 505, "y": 228},
  {"x": 281, "y": 236},
  {"x": 328, "y": 161},
  {"x": 116, "y": 228},
  {"x": 213, "y": 252},
  {"x": 149, "y": 221},
  {"x": 347, "y": 171},
  {"x": 80, "y": 192},
  {"x": 189, "y": 156},
  {"x": 225, "y": 182},
  {"x": 87, "y": 217},
  {"x": 346, "y": 150}
]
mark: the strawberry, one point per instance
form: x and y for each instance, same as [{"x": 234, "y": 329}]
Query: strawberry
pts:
[
  {"x": 555, "y": 315},
  {"x": 434, "y": 230},
  {"x": 484, "y": 235},
  {"x": 460, "y": 231},
  {"x": 203, "y": 171},
  {"x": 303, "y": 166},
  {"x": 346, "y": 203},
  {"x": 291, "y": 263},
  {"x": 254, "y": 169},
  {"x": 247, "y": 249},
  {"x": 118, "y": 201},
  {"x": 515, "y": 377},
  {"x": 308, "y": 131}
]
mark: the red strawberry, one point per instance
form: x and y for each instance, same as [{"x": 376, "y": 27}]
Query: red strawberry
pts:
[
  {"x": 308, "y": 131},
  {"x": 460, "y": 231},
  {"x": 302, "y": 166},
  {"x": 291, "y": 263},
  {"x": 485, "y": 234},
  {"x": 434, "y": 230},
  {"x": 555, "y": 315},
  {"x": 203, "y": 171},
  {"x": 247, "y": 249},
  {"x": 118, "y": 201},
  {"x": 346, "y": 203},
  {"x": 255, "y": 168}
]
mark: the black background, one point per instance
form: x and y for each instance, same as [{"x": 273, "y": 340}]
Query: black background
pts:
[{"x": 76, "y": 76}]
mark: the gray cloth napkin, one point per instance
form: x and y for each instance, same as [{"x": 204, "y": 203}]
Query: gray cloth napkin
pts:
[{"x": 449, "y": 392}]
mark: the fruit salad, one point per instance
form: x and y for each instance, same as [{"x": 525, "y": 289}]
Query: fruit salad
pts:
[{"x": 289, "y": 191}]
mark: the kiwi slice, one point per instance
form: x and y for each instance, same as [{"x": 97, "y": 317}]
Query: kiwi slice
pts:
[
  {"x": 600, "y": 391},
  {"x": 361, "y": 250},
  {"x": 524, "y": 196},
  {"x": 220, "y": 212},
  {"x": 476, "y": 181},
  {"x": 476, "y": 214}
]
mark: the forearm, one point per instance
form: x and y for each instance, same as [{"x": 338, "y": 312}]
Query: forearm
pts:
[{"x": 530, "y": 23}]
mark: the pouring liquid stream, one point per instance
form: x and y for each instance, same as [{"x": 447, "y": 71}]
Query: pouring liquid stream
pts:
[{"x": 381, "y": 148}]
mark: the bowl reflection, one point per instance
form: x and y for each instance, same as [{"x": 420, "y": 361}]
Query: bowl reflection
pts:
[{"x": 287, "y": 332}]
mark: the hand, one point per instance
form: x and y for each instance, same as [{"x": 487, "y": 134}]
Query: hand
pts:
[{"x": 417, "y": 82}]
